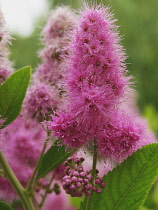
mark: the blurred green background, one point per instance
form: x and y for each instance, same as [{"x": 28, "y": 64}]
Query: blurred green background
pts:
[{"x": 138, "y": 21}]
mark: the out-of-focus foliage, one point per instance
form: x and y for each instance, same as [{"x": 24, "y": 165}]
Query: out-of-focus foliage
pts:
[
  {"x": 73, "y": 3},
  {"x": 151, "y": 115},
  {"x": 138, "y": 20},
  {"x": 31, "y": 44},
  {"x": 139, "y": 25},
  {"x": 76, "y": 201}
]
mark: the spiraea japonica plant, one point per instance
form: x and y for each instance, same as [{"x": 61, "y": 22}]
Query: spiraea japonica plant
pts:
[{"x": 74, "y": 130}]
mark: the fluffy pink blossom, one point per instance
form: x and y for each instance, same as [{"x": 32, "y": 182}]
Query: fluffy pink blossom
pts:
[
  {"x": 22, "y": 144},
  {"x": 41, "y": 101},
  {"x": 50, "y": 70},
  {"x": 5, "y": 64},
  {"x": 97, "y": 86},
  {"x": 58, "y": 23},
  {"x": 45, "y": 95},
  {"x": 25, "y": 139},
  {"x": 96, "y": 58},
  {"x": 58, "y": 202},
  {"x": 96, "y": 78},
  {"x": 54, "y": 40},
  {"x": 4, "y": 74},
  {"x": 23, "y": 174},
  {"x": 68, "y": 129},
  {"x": 122, "y": 136}
]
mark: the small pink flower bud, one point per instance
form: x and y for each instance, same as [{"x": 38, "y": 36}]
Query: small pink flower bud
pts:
[
  {"x": 75, "y": 173},
  {"x": 98, "y": 190},
  {"x": 66, "y": 177},
  {"x": 80, "y": 168},
  {"x": 77, "y": 160},
  {"x": 97, "y": 181},
  {"x": 74, "y": 179},
  {"x": 102, "y": 184},
  {"x": 72, "y": 187},
  {"x": 88, "y": 186},
  {"x": 83, "y": 174},
  {"x": 89, "y": 176},
  {"x": 94, "y": 188},
  {"x": 37, "y": 189},
  {"x": 80, "y": 179},
  {"x": 68, "y": 181},
  {"x": 78, "y": 185},
  {"x": 85, "y": 181},
  {"x": 71, "y": 171}
]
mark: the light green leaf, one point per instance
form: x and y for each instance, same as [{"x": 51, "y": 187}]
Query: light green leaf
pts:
[
  {"x": 12, "y": 93},
  {"x": 128, "y": 184},
  {"x": 52, "y": 159},
  {"x": 5, "y": 206}
]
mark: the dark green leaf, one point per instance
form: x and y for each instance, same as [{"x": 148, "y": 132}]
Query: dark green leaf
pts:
[
  {"x": 12, "y": 93},
  {"x": 52, "y": 159},
  {"x": 5, "y": 206},
  {"x": 128, "y": 184}
]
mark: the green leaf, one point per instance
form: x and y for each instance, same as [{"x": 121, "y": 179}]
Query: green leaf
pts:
[
  {"x": 128, "y": 184},
  {"x": 76, "y": 201},
  {"x": 12, "y": 93},
  {"x": 5, "y": 206},
  {"x": 52, "y": 159}
]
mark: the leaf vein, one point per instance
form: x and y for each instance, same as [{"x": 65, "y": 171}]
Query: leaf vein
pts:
[{"x": 134, "y": 181}]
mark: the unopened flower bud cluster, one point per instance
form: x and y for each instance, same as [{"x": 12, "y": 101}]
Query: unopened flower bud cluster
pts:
[{"x": 78, "y": 182}]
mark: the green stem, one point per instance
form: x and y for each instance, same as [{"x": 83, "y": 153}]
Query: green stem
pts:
[
  {"x": 23, "y": 195},
  {"x": 95, "y": 155},
  {"x": 29, "y": 186},
  {"x": 2, "y": 173},
  {"x": 35, "y": 202}
]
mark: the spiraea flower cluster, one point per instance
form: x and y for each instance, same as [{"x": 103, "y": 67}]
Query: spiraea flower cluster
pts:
[
  {"x": 5, "y": 64},
  {"x": 97, "y": 84},
  {"x": 122, "y": 136},
  {"x": 45, "y": 94},
  {"x": 40, "y": 102},
  {"x": 78, "y": 182},
  {"x": 95, "y": 78},
  {"x": 54, "y": 39}
]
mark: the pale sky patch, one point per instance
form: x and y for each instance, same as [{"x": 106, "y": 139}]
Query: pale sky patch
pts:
[{"x": 20, "y": 15}]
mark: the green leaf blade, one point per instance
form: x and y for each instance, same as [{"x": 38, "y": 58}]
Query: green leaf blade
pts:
[
  {"x": 52, "y": 159},
  {"x": 5, "y": 206},
  {"x": 128, "y": 184},
  {"x": 12, "y": 93}
]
